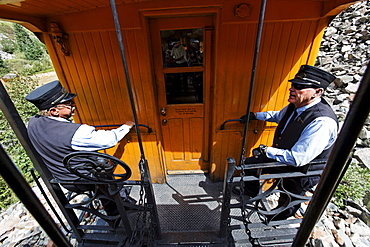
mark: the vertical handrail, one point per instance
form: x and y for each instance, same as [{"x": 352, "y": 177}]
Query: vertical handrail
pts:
[
  {"x": 143, "y": 162},
  {"x": 253, "y": 75},
  {"x": 337, "y": 162},
  {"x": 128, "y": 81},
  {"x": 22, "y": 189}
]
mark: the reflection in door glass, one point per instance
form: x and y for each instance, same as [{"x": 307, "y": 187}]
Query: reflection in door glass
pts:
[
  {"x": 184, "y": 88},
  {"x": 182, "y": 48}
]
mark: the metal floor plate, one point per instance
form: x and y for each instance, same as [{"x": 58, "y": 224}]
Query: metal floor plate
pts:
[{"x": 188, "y": 203}]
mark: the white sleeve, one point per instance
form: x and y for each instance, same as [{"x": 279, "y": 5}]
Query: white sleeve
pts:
[
  {"x": 271, "y": 116},
  {"x": 87, "y": 138},
  {"x": 315, "y": 138}
]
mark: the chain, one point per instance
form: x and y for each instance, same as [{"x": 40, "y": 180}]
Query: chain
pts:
[
  {"x": 145, "y": 222},
  {"x": 241, "y": 197},
  {"x": 242, "y": 174},
  {"x": 137, "y": 236},
  {"x": 228, "y": 199}
]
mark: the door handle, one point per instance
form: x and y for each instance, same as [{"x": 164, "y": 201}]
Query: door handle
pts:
[
  {"x": 163, "y": 111},
  {"x": 164, "y": 121}
]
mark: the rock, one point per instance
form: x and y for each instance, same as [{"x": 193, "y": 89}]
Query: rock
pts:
[
  {"x": 339, "y": 223},
  {"x": 9, "y": 77},
  {"x": 346, "y": 240},
  {"x": 360, "y": 228},
  {"x": 363, "y": 156},
  {"x": 351, "y": 88},
  {"x": 358, "y": 241},
  {"x": 354, "y": 211},
  {"x": 364, "y": 134},
  {"x": 338, "y": 238}
]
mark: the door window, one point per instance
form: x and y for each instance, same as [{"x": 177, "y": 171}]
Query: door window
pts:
[
  {"x": 184, "y": 88},
  {"x": 181, "y": 49}
]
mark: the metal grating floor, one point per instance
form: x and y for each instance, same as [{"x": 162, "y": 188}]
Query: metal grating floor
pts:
[
  {"x": 189, "y": 209},
  {"x": 188, "y": 203}
]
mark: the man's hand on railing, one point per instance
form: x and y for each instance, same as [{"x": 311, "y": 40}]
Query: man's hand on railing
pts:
[
  {"x": 243, "y": 118},
  {"x": 260, "y": 151}
]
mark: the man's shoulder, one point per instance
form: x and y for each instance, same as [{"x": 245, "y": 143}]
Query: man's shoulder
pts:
[
  {"x": 323, "y": 109},
  {"x": 51, "y": 120}
]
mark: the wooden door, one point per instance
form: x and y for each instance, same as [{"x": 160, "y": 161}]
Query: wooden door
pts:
[{"x": 181, "y": 56}]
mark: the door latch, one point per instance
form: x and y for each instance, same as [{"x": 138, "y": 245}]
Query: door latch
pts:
[{"x": 163, "y": 111}]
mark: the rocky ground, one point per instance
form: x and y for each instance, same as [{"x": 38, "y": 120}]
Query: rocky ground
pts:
[{"x": 345, "y": 51}]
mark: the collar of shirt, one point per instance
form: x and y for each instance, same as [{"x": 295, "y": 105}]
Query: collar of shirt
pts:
[
  {"x": 60, "y": 119},
  {"x": 303, "y": 108}
]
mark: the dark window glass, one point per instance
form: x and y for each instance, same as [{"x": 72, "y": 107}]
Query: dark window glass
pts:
[{"x": 184, "y": 88}]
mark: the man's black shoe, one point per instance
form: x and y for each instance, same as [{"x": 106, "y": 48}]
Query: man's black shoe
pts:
[
  {"x": 129, "y": 199},
  {"x": 236, "y": 190}
]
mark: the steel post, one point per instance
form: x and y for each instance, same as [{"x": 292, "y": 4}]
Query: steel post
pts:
[{"x": 253, "y": 75}]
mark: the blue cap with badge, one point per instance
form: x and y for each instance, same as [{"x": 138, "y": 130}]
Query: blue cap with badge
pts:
[
  {"x": 313, "y": 76},
  {"x": 49, "y": 95}
]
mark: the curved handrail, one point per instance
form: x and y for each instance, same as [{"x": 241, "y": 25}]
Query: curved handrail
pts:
[
  {"x": 150, "y": 130},
  {"x": 230, "y": 120}
]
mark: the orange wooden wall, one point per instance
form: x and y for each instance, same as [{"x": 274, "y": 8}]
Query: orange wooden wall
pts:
[{"x": 94, "y": 69}]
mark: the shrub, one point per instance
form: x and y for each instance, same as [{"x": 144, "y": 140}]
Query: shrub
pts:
[
  {"x": 32, "y": 47},
  {"x": 3, "y": 67},
  {"x": 17, "y": 90},
  {"x": 8, "y": 45},
  {"x": 355, "y": 185}
]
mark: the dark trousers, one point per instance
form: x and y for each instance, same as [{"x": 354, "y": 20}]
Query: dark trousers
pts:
[
  {"x": 110, "y": 207},
  {"x": 297, "y": 185}
]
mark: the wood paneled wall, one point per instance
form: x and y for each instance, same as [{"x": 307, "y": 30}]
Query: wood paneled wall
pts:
[
  {"x": 284, "y": 47},
  {"x": 94, "y": 71}
]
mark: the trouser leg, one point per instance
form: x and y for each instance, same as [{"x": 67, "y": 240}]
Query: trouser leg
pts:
[
  {"x": 298, "y": 186},
  {"x": 110, "y": 207},
  {"x": 251, "y": 188}
]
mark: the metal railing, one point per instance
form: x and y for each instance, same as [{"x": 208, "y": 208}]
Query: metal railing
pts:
[{"x": 257, "y": 216}]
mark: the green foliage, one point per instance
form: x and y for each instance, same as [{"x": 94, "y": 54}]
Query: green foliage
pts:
[
  {"x": 2, "y": 63},
  {"x": 8, "y": 45},
  {"x": 29, "y": 54},
  {"x": 7, "y": 41},
  {"x": 29, "y": 67},
  {"x": 29, "y": 57},
  {"x": 354, "y": 185},
  {"x": 17, "y": 90},
  {"x": 3, "y": 67},
  {"x": 33, "y": 49}
]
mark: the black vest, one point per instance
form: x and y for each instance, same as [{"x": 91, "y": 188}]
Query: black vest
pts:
[
  {"x": 292, "y": 132},
  {"x": 52, "y": 140}
]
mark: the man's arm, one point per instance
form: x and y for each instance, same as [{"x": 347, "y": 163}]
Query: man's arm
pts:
[
  {"x": 271, "y": 116},
  {"x": 87, "y": 138},
  {"x": 315, "y": 138}
]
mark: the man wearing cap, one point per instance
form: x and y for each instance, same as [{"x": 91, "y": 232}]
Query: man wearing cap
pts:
[
  {"x": 178, "y": 54},
  {"x": 307, "y": 129},
  {"x": 54, "y": 135}
]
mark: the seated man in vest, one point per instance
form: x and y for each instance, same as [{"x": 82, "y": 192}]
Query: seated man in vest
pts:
[
  {"x": 307, "y": 129},
  {"x": 54, "y": 135}
]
